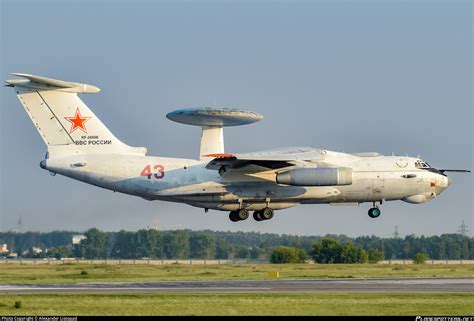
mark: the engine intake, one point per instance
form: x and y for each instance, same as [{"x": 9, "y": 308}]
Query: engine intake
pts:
[{"x": 316, "y": 177}]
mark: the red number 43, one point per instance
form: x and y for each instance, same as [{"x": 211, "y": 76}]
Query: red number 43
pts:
[{"x": 158, "y": 175}]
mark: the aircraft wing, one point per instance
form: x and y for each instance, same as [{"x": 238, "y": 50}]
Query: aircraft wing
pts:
[{"x": 273, "y": 159}]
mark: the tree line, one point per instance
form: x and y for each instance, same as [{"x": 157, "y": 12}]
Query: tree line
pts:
[
  {"x": 187, "y": 244},
  {"x": 327, "y": 251}
]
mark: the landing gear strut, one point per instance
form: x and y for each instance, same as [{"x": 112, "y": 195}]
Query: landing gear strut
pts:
[
  {"x": 239, "y": 215},
  {"x": 265, "y": 214},
  {"x": 375, "y": 212}
]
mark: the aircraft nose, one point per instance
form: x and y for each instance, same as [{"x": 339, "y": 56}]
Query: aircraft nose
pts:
[{"x": 442, "y": 183}]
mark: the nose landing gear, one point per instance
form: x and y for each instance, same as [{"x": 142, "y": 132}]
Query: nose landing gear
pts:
[{"x": 375, "y": 211}]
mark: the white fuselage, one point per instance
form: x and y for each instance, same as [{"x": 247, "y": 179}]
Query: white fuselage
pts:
[
  {"x": 81, "y": 147},
  {"x": 375, "y": 179}
]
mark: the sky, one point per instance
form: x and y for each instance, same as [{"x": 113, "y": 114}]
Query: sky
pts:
[{"x": 354, "y": 76}]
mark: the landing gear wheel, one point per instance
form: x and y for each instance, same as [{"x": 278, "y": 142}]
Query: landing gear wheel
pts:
[
  {"x": 257, "y": 215},
  {"x": 234, "y": 216},
  {"x": 242, "y": 214},
  {"x": 374, "y": 212},
  {"x": 267, "y": 213},
  {"x": 239, "y": 215}
]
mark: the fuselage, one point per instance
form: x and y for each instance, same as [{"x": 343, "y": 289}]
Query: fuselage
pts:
[
  {"x": 81, "y": 147},
  {"x": 375, "y": 178}
]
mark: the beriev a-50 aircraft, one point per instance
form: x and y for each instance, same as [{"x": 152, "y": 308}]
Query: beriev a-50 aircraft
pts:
[{"x": 81, "y": 147}]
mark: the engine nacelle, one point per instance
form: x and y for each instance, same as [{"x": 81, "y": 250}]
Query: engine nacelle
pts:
[{"x": 316, "y": 177}]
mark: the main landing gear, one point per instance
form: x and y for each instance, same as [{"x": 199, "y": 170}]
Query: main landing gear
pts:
[
  {"x": 239, "y": 215},
  {"x": 243, "y": 214},
  {"x": 375, "y": 211},
  {"x": 265, "y": 214}
]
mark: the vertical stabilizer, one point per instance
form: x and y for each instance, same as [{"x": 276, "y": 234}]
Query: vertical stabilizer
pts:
[{"x": 61, "y": 117}]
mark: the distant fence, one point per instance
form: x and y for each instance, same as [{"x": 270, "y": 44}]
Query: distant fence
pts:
[
  {"x": 428, "y": 262},
  {"x": 138, "y": 261},
  {"x": 195, "y": 262}
]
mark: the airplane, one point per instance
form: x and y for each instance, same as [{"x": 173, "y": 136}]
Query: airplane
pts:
[{"x": 81, "y": 147}]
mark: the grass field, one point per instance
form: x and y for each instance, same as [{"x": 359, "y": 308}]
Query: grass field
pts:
[
  {"x": 76, "y": 273},
  {"x": 228, "y": 304},
  {"x": 239, "y": 304}
]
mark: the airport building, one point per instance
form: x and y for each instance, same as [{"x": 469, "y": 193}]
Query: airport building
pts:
[{"x": 76, "y": 241}]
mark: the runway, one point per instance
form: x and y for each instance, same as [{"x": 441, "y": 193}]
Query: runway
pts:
[{"x": 375, "y": 285}]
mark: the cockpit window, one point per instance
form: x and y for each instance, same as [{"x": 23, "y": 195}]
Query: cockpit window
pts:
[{"x": 422, "y": 164}]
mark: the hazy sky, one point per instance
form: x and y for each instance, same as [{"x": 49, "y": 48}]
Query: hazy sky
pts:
[{"x": 386, "y": 76}]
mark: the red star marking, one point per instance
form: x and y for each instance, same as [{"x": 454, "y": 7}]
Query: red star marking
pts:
[{"x": 77, "y": 121}]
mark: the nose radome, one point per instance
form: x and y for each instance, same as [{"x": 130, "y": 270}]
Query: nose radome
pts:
[
  {"x": 442, "y": 183},
  {"x": 449, "y": 180}
]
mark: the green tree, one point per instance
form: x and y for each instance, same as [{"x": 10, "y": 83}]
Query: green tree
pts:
[
  {"x": 176, "y": 245},
  {"x": 148, "y": 243},
  {"x": 95, "y": 244},
  {"x": 442, "y": 248},
  {"x": 156, "y": 242},
  {"x": 420, "y": 258},
  {"x": 256, "y": 253},
  {"x": 352, "y": 254},
  {"x": 285, "y": 254},
  {"x": 330, "y": 250},
  {"x": 465, "y": 253},
  {"x": 242, "y": 252},
  {"x": 223, "y": 249},
  {"x": 453, "y": 250},
  {"x": 202, "y": 245},
  {"x": 327, "y": 251},
  {"x": 141, "y": 245},
  {"x": 471, "y": 248},
  {"x": 375, "y": 255},
  {"x": 60, "y": 252},
  {"x": 433, "y": 247},
  {"x": 123, "y": 247}
]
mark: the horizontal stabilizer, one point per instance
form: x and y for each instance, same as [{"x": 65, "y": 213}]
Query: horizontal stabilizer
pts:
[{"x": 43, "y": 83}]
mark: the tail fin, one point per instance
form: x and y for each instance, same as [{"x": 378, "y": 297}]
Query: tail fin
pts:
[{"x": 62, "y": 119}]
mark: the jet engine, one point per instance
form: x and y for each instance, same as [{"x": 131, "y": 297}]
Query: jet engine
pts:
[{"x": 316, "y": 177}]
